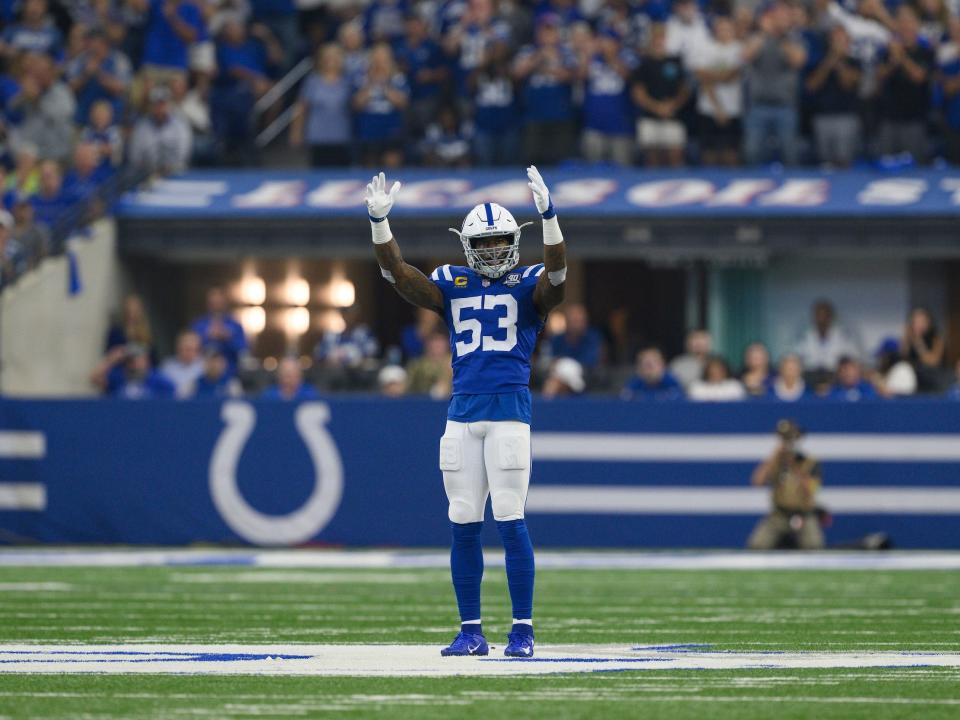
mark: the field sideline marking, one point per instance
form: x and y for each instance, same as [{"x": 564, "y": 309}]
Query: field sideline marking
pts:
[
  {"x": 437, "y": 559},
  {"x": 425, "y": 660}
]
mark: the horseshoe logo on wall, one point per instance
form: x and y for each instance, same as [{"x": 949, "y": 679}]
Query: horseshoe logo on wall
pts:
[{"x": 294, "y": 527}]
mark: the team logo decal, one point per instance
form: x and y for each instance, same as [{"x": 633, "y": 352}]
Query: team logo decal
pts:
[
  {"x": 512, "y": 279},
  {"x": 301, "y": 524},
  {"x": 460, "y": 281}
]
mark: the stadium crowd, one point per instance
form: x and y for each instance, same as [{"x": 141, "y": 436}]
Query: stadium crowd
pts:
[
  {"x": 661, "y": 82},
  {"x": 167, "y": 83},
  {"x": 827, "y": 362}
]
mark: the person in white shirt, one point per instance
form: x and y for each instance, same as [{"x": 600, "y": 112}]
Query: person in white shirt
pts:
[
  {"x": 825, "y": 342},
  {"x": 717, "y": 385},
  {"x": 688, "y": 367},
  {"x": 686, "y": 30},
  {"x": 186, "y": 366},
  {"x": 717, "y": 64}
]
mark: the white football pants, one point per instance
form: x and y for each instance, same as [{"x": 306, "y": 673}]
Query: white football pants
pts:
[{"x": 485, "y": 458}]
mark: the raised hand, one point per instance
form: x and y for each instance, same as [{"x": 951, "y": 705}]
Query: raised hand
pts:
[
  {"x": 541, "y": 195},
  {"x": 379, "y": 201}
]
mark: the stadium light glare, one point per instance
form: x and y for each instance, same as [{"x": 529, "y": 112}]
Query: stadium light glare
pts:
[
  {"x": 297, "y": 291},
  {"x": 252, "y": 290},
  {"x": 341, "y": 292},
  {"x": 253, "y": 319},
  {"x": 296, "y": 321},
  {"x": 332, "y": 321}
]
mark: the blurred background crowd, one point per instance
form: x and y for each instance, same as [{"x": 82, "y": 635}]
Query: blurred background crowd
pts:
[
  {"x": 578, "y": 357},
  {"x": 166, "y": 84}
]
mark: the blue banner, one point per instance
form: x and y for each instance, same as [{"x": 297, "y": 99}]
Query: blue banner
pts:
[
  {"x": 584, "y": 192},
  {"x": 363, "y": 472}
]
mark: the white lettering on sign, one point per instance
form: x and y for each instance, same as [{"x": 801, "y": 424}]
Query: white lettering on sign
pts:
[
  {"x": 272, "y": 194},
  {"x": 181, "y": 193},
  {"x": 508, "y": 193},
  {"x": 798, "y": 193},
  {"x": 574, "y": 193},
  {"x": 337, "y": 193},
  {"x": 740, "y": 193},
  {"x": 664, "y": 193},
  {"x": 952, "y": 185},
  {"x": 892, "y": 191},
  {"x": 432, "y": 193}
]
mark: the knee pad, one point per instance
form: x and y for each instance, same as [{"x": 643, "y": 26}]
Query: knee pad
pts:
[
  {"x": 507, "y": 505},
  {"x": 463, "y": 512}
]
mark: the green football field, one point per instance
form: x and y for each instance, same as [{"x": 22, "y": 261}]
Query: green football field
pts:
[{"x": 728, "y": 613}]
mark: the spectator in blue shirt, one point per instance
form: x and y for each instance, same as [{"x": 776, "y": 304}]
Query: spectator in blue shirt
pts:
[
  {"x": 652, "y": 381},
  {"x": 950, "y": 87},
  {"x": 172, "y": 27},
  {"x": 352, "y": 43},
  {"x": 379, "y": 104},
  {"x": 322, "y": 114},
  {"x": 218, "y": 330},
  {"x": 423, "y": 63},
  {"x": 607, "y": 115},
  {"x": 290, "y": 385},
  {"x": 470, "y": 38},
  {"x": 243, "y": 69},
  {"x": 216, "y": 381},
  {"x": 446, "y": 142},
  {"x": 138, "y": 380},
  {"x": 98, "y": 73},
  {"x": 280, "y": 17},
  {"x": 102, "y": 132},
  {"x": 35, "y": 33},
  {"x": 82, "y": 182},
  {"x": 51, "y": 200},
  {"x": 349, "y": 347},
  {"x": 496, "y": 131},
  {"x": 579, "y": 340},
  {"x": 850, "y": 385},
  {"x": 383, "y": 20},
  {"x": 546, "y": 71}
]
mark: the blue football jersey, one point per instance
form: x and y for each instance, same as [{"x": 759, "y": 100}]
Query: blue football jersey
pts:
[{"x": 493, "y": 327}]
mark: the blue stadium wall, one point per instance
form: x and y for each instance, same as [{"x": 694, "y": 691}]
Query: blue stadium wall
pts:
[{"x": 363, "y": 472}]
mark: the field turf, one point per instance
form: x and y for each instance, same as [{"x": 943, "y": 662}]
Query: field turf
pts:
[{"x": 730, "y": 610}]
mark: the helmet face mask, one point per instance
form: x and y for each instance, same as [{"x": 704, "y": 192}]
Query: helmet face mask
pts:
[{"x": 490, "y": 222}]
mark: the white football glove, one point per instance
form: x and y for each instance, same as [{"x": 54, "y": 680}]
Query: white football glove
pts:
[
  {"x": 379, "y": 201},
  {"x": 541, "y": 196}
]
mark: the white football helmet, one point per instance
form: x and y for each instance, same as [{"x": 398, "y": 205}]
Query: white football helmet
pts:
[{"x": 486, "y": 221}]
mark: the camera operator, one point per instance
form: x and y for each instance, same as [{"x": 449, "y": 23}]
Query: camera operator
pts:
[{"x": 794, "y": 479}]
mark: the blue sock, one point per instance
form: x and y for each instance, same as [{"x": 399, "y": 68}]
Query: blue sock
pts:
[
  {"x": 520, "y": 568},
  {"x": 466, "y": 568}
]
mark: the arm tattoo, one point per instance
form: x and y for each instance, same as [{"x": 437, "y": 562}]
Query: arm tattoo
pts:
[
  {"x": 411, "y": 284},
  {"x": 545, "y": 295}
]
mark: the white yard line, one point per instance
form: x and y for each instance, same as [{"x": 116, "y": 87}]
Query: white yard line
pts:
[
  {"x": 437, "y": 559},
  {"x": 425, "y": 660}
]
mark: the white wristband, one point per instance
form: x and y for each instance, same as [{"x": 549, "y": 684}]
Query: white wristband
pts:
[
  {"x": 551, "y": 232},
  {"x": 381, "y": 231}
]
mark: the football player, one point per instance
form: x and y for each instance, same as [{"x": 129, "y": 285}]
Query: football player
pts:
[{"x": 494, "y": 309}]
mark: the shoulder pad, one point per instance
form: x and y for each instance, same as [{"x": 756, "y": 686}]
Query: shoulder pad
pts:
[
  {"x": 533, "y": 272},
  {"x": 442, "y": 275}
]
